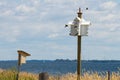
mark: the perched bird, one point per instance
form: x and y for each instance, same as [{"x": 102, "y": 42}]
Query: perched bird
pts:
[
  {"x": 66, "y": 25},
  {"x": 86, "y": 8}
]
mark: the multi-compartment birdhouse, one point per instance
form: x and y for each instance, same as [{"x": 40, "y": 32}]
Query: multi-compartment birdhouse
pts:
[{"x": 79, "y": 27}]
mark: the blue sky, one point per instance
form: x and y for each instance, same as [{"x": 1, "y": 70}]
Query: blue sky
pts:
[{"x": 37, "y": 27}]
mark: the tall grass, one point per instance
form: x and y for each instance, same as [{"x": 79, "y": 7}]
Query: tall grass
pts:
[
  {"x": 11, "y": 75},
  {"x": 87, "y": 76}
]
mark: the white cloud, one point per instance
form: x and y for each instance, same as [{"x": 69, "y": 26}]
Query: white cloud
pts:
[
  {"x": 47, "y": 28},
  {"x": 35, "y": 2},
  {"x": 53, "y": 35},
  {"x": 2, "y": 3},
  {"x": 7, "y": 13},
  {"x": 104, "y": 52},
  {"x": 108, "y": 17},
  {"x": 25, "y": 9},
  {"x": 108, "y": 5},
  {"x": 10, "y": 33},
  {"x": 56, "y": 1},
  {"x": 115, "y": 28},
  {"x": 32, "y": 19},
  {"x": 20, "y": 17}
]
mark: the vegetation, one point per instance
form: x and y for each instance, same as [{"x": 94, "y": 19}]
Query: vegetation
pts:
[{"x": 11, "y": 75}]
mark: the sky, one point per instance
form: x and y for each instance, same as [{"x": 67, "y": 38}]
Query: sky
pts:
[{"x": 37, "y": 27}]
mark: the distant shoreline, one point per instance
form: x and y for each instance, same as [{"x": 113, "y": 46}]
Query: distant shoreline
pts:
[
  {"x": 63, "y": 66},
  {"x": 62, "y": 60}
]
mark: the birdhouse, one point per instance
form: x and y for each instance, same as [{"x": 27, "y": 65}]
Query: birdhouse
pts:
[
  {"x": 79, "y": 27},
  {"x": 74, "y": 27},
  {"x": 83, "y": 28},
  {"x": 22, "y": 57}
]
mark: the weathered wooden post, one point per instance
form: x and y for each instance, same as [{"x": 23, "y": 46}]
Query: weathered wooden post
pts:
[
  {"x": 79, "y": 50},
  {"x": 108, "y": 75},
  {"x": 43, "y": 76}
]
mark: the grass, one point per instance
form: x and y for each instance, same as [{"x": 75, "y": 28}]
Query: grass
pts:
[{"x": 11, "y": 75}]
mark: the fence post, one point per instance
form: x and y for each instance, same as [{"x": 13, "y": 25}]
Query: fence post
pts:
[
  {"x": 108, "y": 75},
  {"x": 43, "y": 76}
]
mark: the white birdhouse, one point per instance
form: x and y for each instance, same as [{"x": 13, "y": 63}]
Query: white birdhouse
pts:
[
  {"x": 74, "y": 27},
  {"x": 79, "y": 27},
  {"x": 84, "y": 27}
]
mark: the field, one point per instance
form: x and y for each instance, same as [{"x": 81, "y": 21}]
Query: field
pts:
[{"x": 11, "y": 75}]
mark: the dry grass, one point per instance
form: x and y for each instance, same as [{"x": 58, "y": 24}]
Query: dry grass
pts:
[
  {"x": 11, "y": 75},
  {"x": 86, "y": 76}
]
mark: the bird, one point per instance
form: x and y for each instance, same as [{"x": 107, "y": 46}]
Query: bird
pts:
[
  {"x": 66, "y": 25},
  {"x": 86, "y": 8}
]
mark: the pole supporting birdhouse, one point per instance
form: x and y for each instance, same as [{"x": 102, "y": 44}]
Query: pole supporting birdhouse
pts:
[{"x": 79, "y": 50}]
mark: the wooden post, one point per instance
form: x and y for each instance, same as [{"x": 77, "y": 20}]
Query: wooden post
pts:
[
  {"x": 17, "y": 77},
  {"x": 79, "y": 58},
  {"x": 43, "y": 76},
  {"x": 108, "y": 75},
  {"x": 79, "y": 50}
]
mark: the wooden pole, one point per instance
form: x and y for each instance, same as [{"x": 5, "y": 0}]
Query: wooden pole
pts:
[
  {"x": 79, "y": 50},
  {"x": 108, "y": 75},
  {"x": 79, "y": 58},
  {"x": 17, "y": 77},
  {"x": 43, "y": 76}
]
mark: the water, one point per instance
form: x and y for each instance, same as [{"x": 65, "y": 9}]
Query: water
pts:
[{"x": 63, "y": 66}]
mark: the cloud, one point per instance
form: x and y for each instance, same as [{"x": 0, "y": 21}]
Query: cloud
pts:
[
  {"x": 108, "y": 5},
  {"x": 104, "y": 52},
  {"x": 28, "y": 7},
  {"x": 116, "y": 28},
  {"x": 2, "y": 3},
  {"x": 34, "y": 22},
  {"x": 53, "y": 35},
  {"x": 108, "y": 17},
  {"x": 25, "y": 8},
  {"x": 35, "y": 2},
  {"x": 7, "y": 13},
  {"x": 57, "y": 1},
  {"x": 9, "y": 34}
]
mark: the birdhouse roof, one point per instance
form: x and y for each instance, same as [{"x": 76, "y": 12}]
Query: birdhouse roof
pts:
[
  {"x": 86, "y": 23},
  {"x": 23, "y": 53},
  {"x": 82, "y": 21},
  {"x": 78, "y": 19}
]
